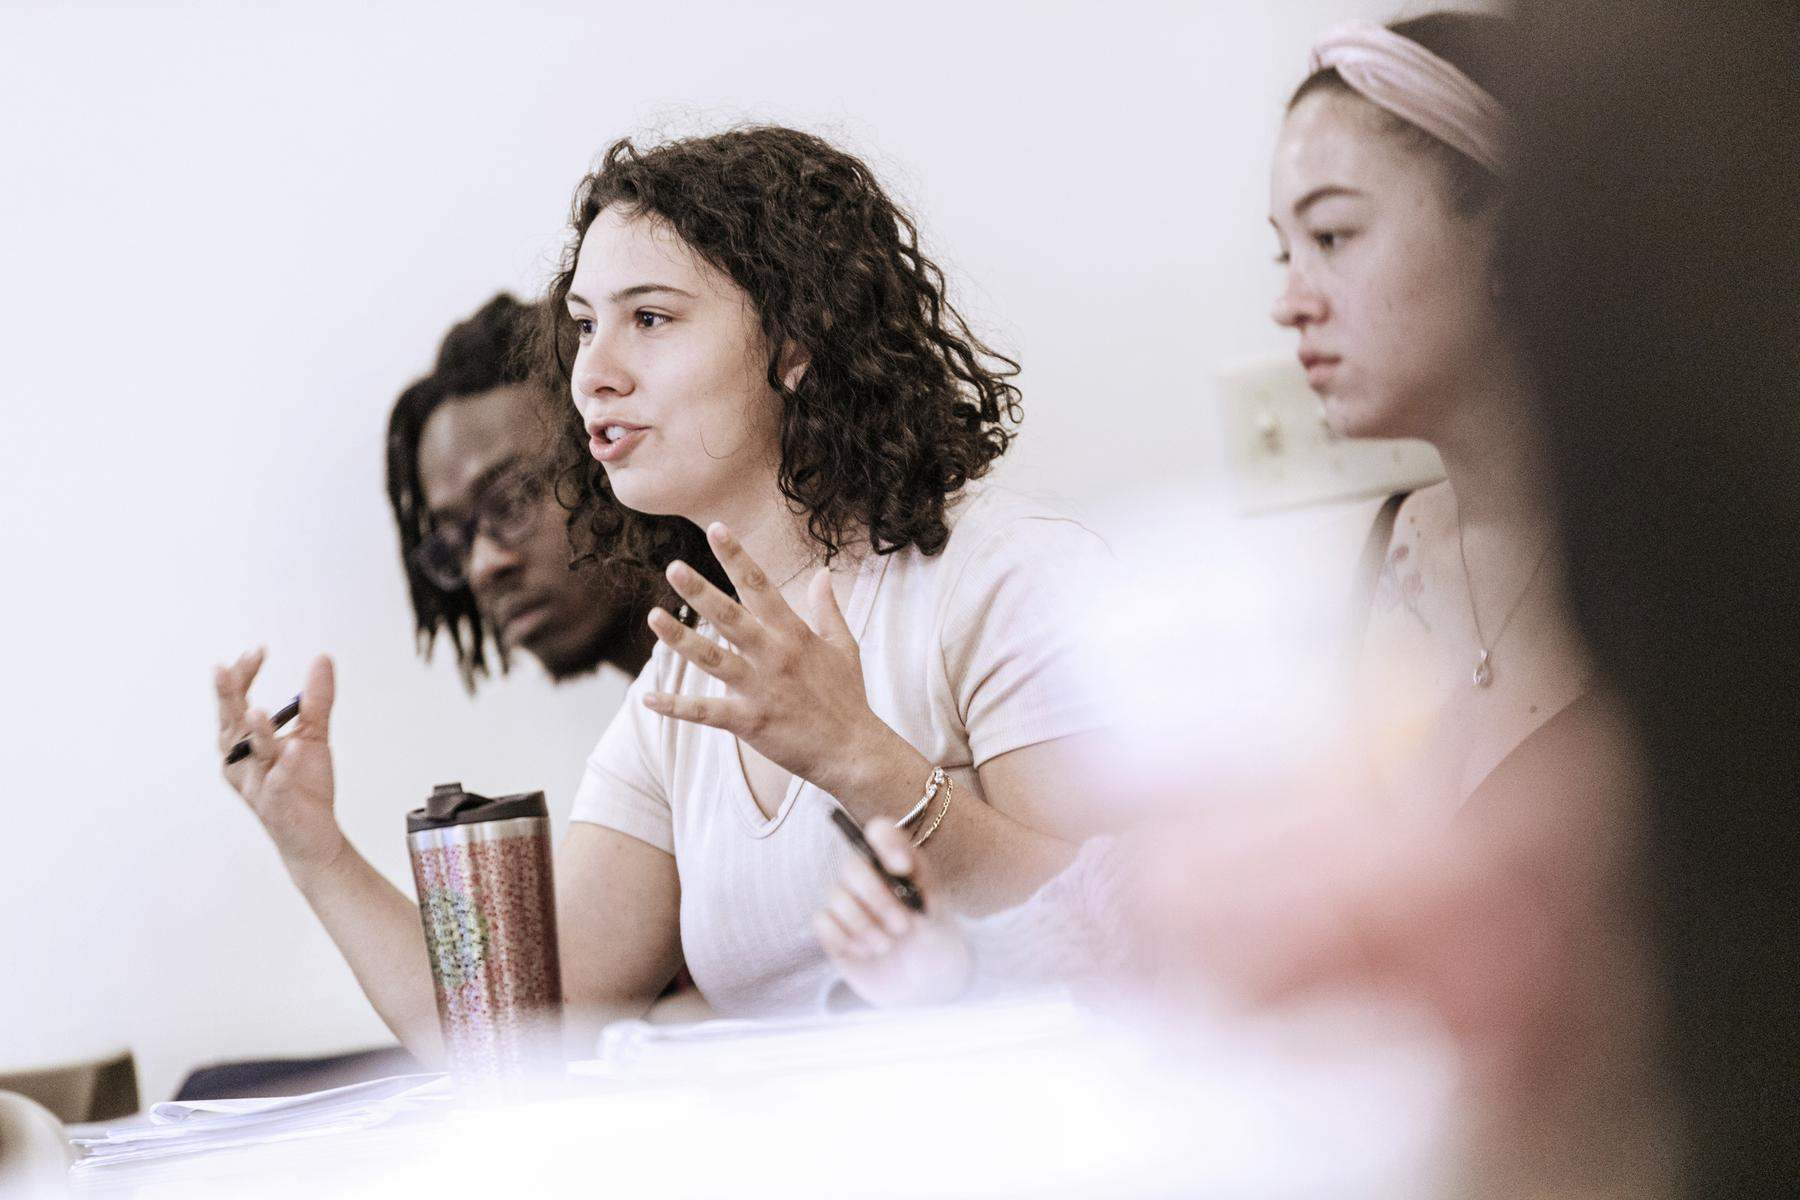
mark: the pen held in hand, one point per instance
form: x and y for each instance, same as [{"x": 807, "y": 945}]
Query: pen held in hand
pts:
[
  {"x": 904, "y": 889},
  {"x": 283, "y": 715}
]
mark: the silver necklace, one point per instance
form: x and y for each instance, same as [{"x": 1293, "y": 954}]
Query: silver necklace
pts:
[{"x": 1483, "y": 675}]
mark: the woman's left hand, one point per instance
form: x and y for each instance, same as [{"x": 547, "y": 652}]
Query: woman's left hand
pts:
[{"x": 793, "y": 692}]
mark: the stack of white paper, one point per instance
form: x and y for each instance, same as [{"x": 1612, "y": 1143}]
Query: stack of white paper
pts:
[
  {"x": 173, "y": 1128},
  {"x": 638, "y": 1051}
]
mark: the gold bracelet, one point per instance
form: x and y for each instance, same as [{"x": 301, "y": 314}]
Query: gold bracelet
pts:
[
  {"x": 949, "y": 791},
  {"x": 937, "y": 780}
]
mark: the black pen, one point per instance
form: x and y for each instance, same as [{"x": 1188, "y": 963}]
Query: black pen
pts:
[
  {"x": 283, "y": 715},
  {"x": 904, "y": 889}
]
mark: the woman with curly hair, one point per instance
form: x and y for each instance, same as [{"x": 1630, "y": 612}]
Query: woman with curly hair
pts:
[{"x": 792, "y": 419}]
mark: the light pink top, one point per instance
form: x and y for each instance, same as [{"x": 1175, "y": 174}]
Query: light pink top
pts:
[{"x": 966, "y": 653}]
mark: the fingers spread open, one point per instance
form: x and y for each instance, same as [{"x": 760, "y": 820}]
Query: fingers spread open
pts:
[
  {"x": 727, "y": 616},
  {"x": 316, "y": 699},
  {"x": 231, "y": 708},
  {"x": 261, "y": 733},
  {"x": 232, "y": 683},
  {"x": 702, "y": 651},
  {"x": 755, "y": 589},
  {"x": 720, "y": 712}
]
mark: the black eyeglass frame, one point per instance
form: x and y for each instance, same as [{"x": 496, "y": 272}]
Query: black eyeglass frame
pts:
[{"x": 507, "y": 509}]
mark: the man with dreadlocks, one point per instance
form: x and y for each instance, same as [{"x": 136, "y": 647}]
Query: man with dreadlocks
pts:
[
  {"x": 483, "y": 539},
  {"x": 488, "y": 558}
]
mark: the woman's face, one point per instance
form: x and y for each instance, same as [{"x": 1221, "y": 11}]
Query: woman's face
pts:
[
  {"x": 670, "y": 376},
  {"x": 1388, "y": 287}
]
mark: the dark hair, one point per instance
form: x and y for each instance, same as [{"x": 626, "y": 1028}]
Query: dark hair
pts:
[
  {"x": 900, "y": 405},
  {"x": 489, "y": 350},
  {"x": 1489, "y": 50}
]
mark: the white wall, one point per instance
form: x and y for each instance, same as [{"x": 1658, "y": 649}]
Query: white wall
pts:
[{"x": 232, "y": 232}]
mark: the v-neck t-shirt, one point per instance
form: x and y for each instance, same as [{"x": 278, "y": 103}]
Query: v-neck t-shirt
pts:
[{"x": 968, "y": 654}]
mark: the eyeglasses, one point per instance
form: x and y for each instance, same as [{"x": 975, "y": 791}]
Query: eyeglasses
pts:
[{"x": 507, "y": 510}]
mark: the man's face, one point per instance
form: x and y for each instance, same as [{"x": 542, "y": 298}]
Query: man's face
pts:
[{"x": 474, "y": 447}]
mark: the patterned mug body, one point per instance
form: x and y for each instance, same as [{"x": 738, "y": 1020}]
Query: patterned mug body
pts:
[{"x": 488, "y": 905}]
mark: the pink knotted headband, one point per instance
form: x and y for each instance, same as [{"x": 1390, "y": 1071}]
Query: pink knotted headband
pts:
[{"x": 1417, "y": 86}]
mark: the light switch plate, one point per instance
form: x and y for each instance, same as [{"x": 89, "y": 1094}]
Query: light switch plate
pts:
[{"x": 1282, "y": 455}]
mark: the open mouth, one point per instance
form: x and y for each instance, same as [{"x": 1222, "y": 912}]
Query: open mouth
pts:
[{"x": 613, "y": 440}]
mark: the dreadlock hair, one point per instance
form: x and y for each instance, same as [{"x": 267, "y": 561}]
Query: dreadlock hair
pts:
[
  {"x": 900, "y": 405},
  {"x": 488, "y": 350},
  {"x": 1488, "y": 49}
]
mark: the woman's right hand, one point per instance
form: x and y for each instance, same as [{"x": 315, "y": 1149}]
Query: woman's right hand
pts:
[
  {"x": 888, "y": 954},
  {"x": 286, "y": 781}
]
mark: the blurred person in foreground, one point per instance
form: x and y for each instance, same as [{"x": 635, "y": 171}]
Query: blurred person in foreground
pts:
[
  {"x": 1657, "y": 262},
  {"x": 1468, "y": 840}
]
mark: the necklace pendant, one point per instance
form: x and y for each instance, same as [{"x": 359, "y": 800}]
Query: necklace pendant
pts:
[{"x": 1484, "y": 674}]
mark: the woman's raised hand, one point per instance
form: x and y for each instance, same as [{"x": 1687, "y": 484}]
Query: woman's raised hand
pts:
[
  {"x": 286, "y": 781},
  {"x": 888, "y": 954},
  {"x": 794, "y": 692}
]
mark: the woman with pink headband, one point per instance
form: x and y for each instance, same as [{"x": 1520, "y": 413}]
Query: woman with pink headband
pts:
[
  {"x": 1386, "y": 191},
  {"x": 1386, "y": 197},
  {"x": 1490, "y": 894}
]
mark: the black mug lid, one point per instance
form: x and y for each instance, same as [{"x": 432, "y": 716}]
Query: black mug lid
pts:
[{"x": 450, "y": 805}]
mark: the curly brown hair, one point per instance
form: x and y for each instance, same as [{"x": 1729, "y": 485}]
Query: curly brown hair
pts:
[{"x": 900, "y": 406}]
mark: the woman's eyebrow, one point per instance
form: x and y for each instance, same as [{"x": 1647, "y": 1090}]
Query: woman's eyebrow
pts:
[
  {"x": 645, "y": 289},
  {"x": 1322, "y": 193}
]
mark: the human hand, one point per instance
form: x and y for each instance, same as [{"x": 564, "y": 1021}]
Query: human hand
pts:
[
  {"x": 887, "y": 953},
  {"x": 287, "y": 782},
  {"x": 794, "y": 692}
]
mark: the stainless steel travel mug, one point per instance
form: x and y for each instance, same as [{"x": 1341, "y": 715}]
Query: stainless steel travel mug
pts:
[{"x": 488, "y": 904}]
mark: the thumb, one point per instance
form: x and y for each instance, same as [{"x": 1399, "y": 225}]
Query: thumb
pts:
[
  {"x": 316, "y": 698},
  {"x": 895, "y": 850},
  {"x": 828, "y": 618}
]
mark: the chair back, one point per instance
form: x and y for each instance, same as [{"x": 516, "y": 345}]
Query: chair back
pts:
[{"x": 99, "y": 1089}]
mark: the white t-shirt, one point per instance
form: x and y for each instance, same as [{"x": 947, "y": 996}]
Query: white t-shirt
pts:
[{"x": 967, "y": 654}]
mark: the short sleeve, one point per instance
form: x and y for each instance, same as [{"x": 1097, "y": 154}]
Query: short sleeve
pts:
[
  {"x": 1011, "y": 629},
  {"x": 622, "y": 786}
]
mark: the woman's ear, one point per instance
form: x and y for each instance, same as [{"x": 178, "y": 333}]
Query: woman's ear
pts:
[{"x": 794, "y": 361}]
